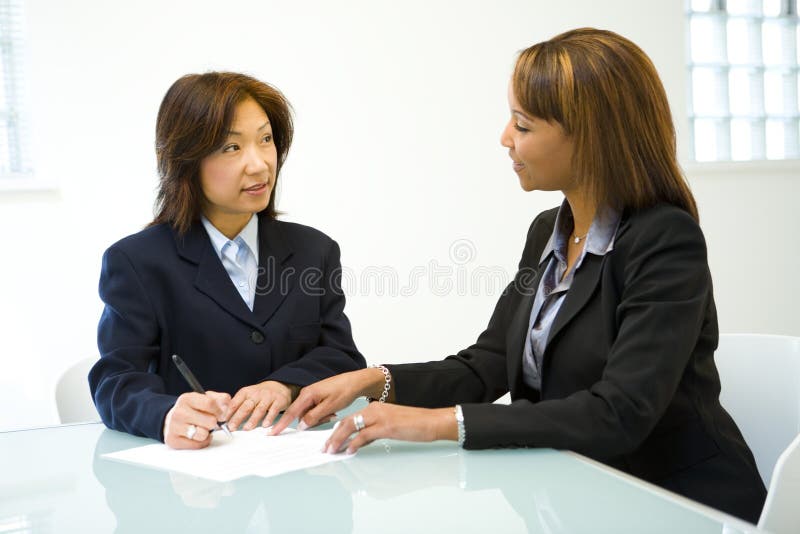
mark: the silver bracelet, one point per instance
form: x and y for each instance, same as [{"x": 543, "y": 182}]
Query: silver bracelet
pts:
[
  {"x": 462, "y": 432},
  {"x": 387, "y": 384}
]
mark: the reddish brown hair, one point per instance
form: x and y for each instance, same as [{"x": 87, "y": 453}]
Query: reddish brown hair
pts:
[
  {"x": 193, "y": 121},
  {"x": 606, "y": 94}
]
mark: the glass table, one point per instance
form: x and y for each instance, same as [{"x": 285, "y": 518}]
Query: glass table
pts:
[{"x": 55, "y": 480}]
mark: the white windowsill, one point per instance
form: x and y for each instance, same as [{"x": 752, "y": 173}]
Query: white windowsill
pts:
[
  {"x": 763, "y": 167},
  {"x": 20, "y": 183}
]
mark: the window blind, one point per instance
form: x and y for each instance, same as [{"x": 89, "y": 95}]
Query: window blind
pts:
[
  {"x": 14, "y": 124},
  {"x": 744, "y": 79}
]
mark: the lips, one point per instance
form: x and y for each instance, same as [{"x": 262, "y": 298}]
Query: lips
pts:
[
  {"x": 256, "y": 187},
  {"x": 517, "y": 166}
]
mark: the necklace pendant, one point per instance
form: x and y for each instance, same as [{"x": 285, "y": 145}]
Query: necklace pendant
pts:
[{"x": 577, "y": 240}]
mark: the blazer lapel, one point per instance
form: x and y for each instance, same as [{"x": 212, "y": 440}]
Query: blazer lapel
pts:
[
  {"x": 212, "y": 279},
  {"x": 276, "y": 273},
  {"x": 583, "y": 285}
]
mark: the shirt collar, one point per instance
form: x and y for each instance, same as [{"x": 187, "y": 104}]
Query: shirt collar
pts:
[
  {"x": 249, "y": 235},
  {"x": 599, "y": 240}
]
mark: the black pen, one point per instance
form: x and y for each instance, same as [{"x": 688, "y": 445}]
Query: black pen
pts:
[{"x": 189, "y": 376}]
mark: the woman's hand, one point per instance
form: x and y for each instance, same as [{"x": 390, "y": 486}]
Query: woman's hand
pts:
[
  {"x": 318, "y": 402},
  {"x": 202, "y": 412},
  {"x": 395, "y": 422},
  {"x": 257, "y": 401}
]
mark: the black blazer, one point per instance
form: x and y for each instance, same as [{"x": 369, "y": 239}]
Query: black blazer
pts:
[
  {"x": 167, "y": 295},
  {"x": 628, "y": 373}
]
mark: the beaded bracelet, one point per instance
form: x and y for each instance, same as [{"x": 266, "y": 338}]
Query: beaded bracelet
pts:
[
  {"x": 462, "y": 432},
  {"x": 388, "y": 378}
]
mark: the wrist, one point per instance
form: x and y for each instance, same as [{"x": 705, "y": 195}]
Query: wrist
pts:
[
  {"x": 165, "y": 424},
  {"x": 446, "y": 425},
  {"x": 289, "y": 389},
  {"x": 373, "y": 383}
]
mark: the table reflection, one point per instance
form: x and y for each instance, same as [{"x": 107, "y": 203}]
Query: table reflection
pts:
[{"x": 149, "y": 500}]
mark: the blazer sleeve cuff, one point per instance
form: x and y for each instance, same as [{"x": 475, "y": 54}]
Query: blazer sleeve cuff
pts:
[
  {"x": 493, "y": 426},
  {"x": 147, "y": 420}
]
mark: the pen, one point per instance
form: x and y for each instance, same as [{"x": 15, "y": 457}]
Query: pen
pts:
[{"x": 195, "y": 385}]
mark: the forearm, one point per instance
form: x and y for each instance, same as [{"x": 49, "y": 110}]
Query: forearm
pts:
[
  {"x": 440, "y": 384},
  {"x": 444, "y": 420}
]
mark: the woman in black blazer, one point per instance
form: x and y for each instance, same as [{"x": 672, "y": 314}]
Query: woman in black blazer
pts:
[
  {"x": 606, "y": 336},
  {"x": 253, "y": 305}
]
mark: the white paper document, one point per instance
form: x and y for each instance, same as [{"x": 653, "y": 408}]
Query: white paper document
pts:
[{"x": 251, "y": 452}]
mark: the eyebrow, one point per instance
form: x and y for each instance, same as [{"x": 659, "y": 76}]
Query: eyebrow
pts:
[{"x": 232, "y": 132}]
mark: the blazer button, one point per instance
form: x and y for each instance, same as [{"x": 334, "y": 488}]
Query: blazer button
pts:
[{"x": 256, "y": 337}]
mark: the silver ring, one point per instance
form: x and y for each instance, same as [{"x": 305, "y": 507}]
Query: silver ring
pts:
[
  {"x": 191, "y": 431},
  {"x": 358, "y": 421}
]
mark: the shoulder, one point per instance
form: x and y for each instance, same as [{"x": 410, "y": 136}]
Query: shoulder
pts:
[
  {"x": 663, "y": 223},
  {"x": 663, "y": 235},
  {"x": 659, "y": 214},
  {"x": 152, "y": 241},
  {"x": 309, "y": 245},
  {"x": 299, "y": 231},
  {"x": 300, "y": 236}
]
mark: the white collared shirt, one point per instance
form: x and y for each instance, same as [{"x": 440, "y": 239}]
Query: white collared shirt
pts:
[
  {"x": 552, "y": 289},
  {"x": 239, "y": 256}
]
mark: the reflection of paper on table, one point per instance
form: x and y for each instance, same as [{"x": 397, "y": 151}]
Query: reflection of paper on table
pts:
[{"x": 250, "y": 452}]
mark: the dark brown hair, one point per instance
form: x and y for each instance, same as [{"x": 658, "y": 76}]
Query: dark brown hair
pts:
[
  {"x": 606, "y": 94},
  {"x": 193, "y": 121}
]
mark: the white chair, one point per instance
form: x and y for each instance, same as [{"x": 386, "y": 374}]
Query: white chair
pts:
[
  {"x": 781, "y": 514},
  {"x": 760, "y": 376},
  {"x": 73, "y": 400}
]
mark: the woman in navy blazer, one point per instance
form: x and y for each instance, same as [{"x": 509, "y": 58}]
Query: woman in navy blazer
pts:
[
  {"x": 606, "y": 336},
  {"x": 221, "y": 139}
]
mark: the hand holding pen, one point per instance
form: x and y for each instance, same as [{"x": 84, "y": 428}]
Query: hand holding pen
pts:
[{"x": 188, "y": 425}]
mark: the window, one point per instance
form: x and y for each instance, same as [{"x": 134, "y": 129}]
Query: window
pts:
[
  {"x": 744, "y": 84},
  {"x": 14, "y": 148}
]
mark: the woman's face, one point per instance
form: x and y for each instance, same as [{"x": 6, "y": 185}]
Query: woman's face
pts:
[
  {"x": 238, "y": 178},
  {"x": 541, "y": 152}
]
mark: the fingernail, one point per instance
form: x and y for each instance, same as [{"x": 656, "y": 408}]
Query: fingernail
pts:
[
  {"x": 350, "y": 451},
  {"x": 302, "y": 426},
  {"x": 331, "y": 450}
]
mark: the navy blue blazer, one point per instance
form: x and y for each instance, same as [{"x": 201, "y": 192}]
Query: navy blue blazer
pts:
[
  {"x": 628, "y": 372},
  {"x": 166, "y": 294}
]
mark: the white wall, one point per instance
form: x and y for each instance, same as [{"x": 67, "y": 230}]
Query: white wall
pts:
[{"x": 399, "y": 108}]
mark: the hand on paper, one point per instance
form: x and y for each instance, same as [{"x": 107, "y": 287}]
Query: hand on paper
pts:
[
  {"x": 198, "y": 410},
  {"x": 260, "y": 401},
  {"x": 395, "y": 422},
  {"x": 318, "y": 402}
]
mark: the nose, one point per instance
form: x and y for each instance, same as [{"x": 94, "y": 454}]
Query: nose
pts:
[
  {"x": 255, "y": 162},
  {"x": 505, "y": 136}
]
